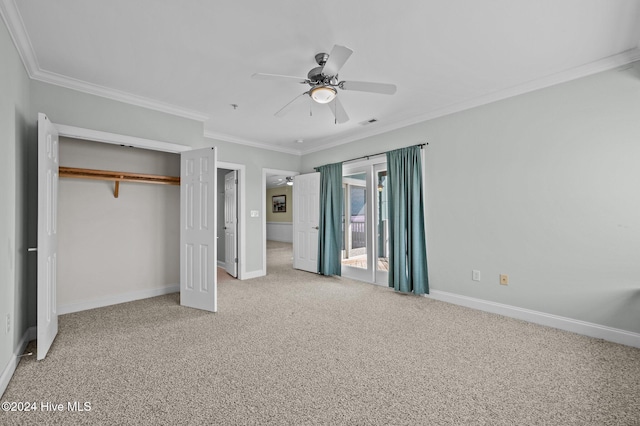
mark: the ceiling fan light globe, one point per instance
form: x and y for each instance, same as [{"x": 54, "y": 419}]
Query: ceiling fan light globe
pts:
[{"x": 323, "y": 94}]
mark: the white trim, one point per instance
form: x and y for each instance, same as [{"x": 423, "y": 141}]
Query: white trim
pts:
[
  {"x": 254, "y": 274},
  {"x": 18, "y": 33},
  {"x": 29, "y": 335},
  {"x": 20, "y": 37},
  {"x": 601, "y": 65},
  {"x": 117, "y": 95},
  {"x": 597, "y": 331},
  {"x": 242, "y": 220},
  {"x": 239, "y": 141},
  {"x": 221, "y": 264},
  {"x": 117, "y": 299},
  {"x": 117, "y": 139}
]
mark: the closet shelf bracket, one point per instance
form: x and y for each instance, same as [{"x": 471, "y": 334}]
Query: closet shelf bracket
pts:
[{"x": 116, "y": 177}]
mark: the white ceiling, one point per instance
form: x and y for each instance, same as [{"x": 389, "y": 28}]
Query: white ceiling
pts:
[{"x": 195, "y": 58}]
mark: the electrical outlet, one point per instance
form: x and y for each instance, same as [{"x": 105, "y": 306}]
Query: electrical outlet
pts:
[
  {"x": 475, "y": 275},
  {"x": 504, "y": 279},
  {"x": 8, "y": 328}
]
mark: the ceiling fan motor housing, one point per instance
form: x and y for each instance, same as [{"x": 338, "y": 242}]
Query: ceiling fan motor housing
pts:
[{"x": 315, "y": 75}]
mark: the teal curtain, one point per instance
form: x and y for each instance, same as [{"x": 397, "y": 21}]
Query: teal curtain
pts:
[
  {"x": 407, "y": 243},
  {"x": 330, "y": 222}
]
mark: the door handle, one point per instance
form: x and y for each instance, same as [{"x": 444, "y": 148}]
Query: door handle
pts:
[
  {"x": 32, "y": 249},
  {"x": 315, "y": 227}
]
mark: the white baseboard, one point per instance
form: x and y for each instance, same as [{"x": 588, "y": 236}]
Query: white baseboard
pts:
[
  {"x": 253, "y": 274},
  {"x": 116, "y": 299},
  {"x": 29, "y": 335},
  {"x": 610, "y": 334},
  {"x": 221, "y": 264}
]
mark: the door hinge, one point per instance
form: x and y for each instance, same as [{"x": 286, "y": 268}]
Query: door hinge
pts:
[
  {"x": 236, "y": 260},
  {"x": 236, "y": 181}
]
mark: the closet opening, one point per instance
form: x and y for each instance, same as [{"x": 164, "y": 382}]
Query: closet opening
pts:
[{"x": 117, "y": 241}]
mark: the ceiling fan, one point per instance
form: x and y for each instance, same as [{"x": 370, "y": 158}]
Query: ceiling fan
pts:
[
  {"x": 324, "y": 83},
  {"x": 288, "y": 180}
]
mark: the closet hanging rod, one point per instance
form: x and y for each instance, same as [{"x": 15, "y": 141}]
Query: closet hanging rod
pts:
[
  {"x": 117, "y": 177},
  {"x": 72, "y": 172}
]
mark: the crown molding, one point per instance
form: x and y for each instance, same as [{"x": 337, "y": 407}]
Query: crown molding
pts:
[
  {"x": 117, "y": 95},
  {"x": 15, "y": 25},
  {"x": 586, "y": 70},
  {"x": 232, "y": 139}
]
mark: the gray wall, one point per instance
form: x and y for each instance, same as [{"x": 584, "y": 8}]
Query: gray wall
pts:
[
  {"x": 544, "y": 187},
  {"x": 16, "y": 127},
  {"x": 111, "y": 246},
  {"x": 64, "y": 106}
]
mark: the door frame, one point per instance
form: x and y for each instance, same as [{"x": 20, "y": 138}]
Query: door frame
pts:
[
  {"x": 356, "y": 273},
  {"x": 370, "y": 275},
  {"x": 136, "y": 142},
  {"x": 266, "y": 172},
  {"x": 240, "y": 195}
]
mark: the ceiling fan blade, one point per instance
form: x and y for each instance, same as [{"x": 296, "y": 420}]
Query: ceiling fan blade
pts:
[
  {"x": 364, "y": 86},
  {"x": 338, "y": 111},
  {"x": 337, "y": 58},
  {"x": 262, "y": 76},
  {"x": 288, "y": 107}
]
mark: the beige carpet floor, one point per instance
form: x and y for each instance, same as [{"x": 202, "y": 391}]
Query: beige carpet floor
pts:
[{"x": 294, "y": 348}]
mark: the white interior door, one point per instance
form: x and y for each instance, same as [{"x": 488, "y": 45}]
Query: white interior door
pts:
[
  {"x": 306, "y": 211},
  {"x": 198, "y": 281},
  {"x": 47, "y": 234},
  {"x": 231, "y": 223}
]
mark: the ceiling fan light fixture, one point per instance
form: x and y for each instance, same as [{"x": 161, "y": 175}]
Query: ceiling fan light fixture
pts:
[{"x": 323, "y": 94}]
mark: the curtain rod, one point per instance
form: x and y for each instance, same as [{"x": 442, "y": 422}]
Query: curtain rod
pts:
[{"x": 366, "y": 157}]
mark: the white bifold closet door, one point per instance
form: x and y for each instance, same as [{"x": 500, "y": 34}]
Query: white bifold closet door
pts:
[
  {"x": 198, "y": 180},
  {"x": 47, "y": 234}
]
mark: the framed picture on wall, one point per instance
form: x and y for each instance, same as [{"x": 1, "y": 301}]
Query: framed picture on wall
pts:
[{"x": 279, "y": 203}]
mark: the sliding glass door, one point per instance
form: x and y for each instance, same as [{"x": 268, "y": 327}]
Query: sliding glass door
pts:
[{"x": 364, "y": 223}]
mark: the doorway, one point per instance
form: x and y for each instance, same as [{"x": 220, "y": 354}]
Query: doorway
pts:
[
  {"x": 277, "y": 202},
  {"x": 365, "y": 244},
  {"x": 228, "y": 239}
]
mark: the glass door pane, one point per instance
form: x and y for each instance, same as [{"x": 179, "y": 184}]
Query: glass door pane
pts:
[{"x": 355, "y": 252}]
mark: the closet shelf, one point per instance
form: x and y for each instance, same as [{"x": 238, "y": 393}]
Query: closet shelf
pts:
[{"x": 117, "y": 177}]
